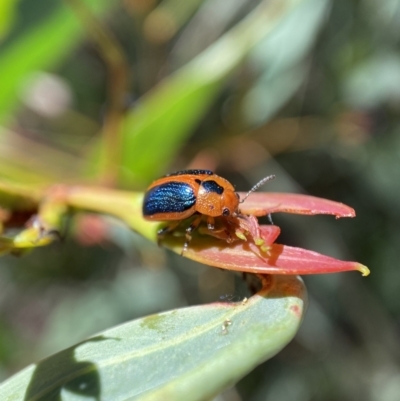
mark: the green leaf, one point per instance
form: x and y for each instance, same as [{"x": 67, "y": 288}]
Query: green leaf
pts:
[
  {"x": 7, "y": 16},
  {"x": 185, "y": 354},
  {"x": 362, "y": 92},
  {"x": 164, "y": 118},
  {"x": 40, "y": 49},
  {"x": 280, "y": 59}
]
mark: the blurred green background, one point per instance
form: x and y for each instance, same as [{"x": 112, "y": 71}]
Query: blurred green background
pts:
[{"x": 118, "y": 93}]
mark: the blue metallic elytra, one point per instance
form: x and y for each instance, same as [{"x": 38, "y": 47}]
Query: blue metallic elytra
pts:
[{"x": 170, "y": 197}]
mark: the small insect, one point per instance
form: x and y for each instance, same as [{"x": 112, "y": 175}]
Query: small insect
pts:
[{"x": 200, "y": 194}]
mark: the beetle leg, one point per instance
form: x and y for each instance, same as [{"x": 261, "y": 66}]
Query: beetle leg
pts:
[
  {"x": 165, "y": 230},
  {"x": 219, "y": 232},
  {"x": 189, "y": 230},
  {"x": 270, "y": 219}
]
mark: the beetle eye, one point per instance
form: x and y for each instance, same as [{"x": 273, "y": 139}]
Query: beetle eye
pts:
[{"x": 225, "y": 212}]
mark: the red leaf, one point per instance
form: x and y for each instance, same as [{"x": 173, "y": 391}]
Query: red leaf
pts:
[
  {"x": 283, "y": 259},
  {"x": 247, "y": 257},
  {"x": 262, "y": 203},
  {"x": 269, "y": 233}
]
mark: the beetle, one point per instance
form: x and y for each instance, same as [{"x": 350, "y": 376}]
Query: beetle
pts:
[{"x": 200, "y": 193}]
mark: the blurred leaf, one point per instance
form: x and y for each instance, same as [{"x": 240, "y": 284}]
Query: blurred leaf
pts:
[
  {"x": 167, "y": 19},
  {"x": 162, "y": 120},
  {"x": 19, "y": 166},
  {"x": 7, "y": 16},
  {"x": 171, "y": 355},
  {"x": 374, "y": 81},
  {"x": 290, "y": 42},
  {"x": 271, "y": 92},
  {"x": 384, "y": 18},
  {"x": 18, "y": 197},
  {"x": 280, "y": 60},
  {"x": 39, "y": 49},
  {"x": 211, "y": 20}
]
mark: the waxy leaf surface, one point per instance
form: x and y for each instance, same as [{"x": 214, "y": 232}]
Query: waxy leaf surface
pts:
[{"x": 189, "y": 354}]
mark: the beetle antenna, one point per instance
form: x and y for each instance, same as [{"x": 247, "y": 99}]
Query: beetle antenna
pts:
[{"x": 258, "y": 185}]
